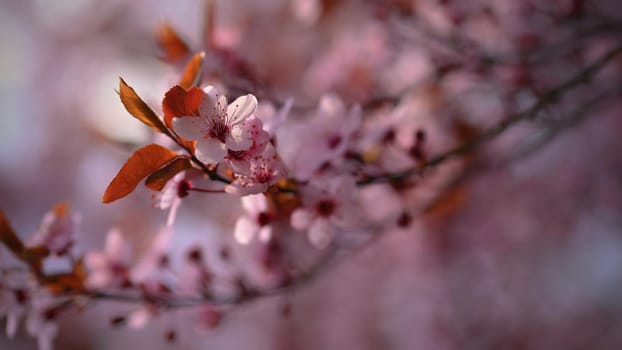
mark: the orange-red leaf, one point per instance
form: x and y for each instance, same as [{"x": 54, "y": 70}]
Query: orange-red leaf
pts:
[
  {"x": 142, "y": 163},
  {"x": 174, "y": 47},
  {"x": 9, "y": 237},
  {"x": 180, "y": 102},
  {"x": 192, "y": 72},
  {"x": 160, "y": 177},
  {"x": 138, "y": 108}
]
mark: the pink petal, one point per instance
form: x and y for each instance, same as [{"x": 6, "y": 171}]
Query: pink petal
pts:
[
  {"x": 321, "y": 233},
  {"x": 244, "y": 189},
  {"x": 190, "y": 128},
  {"x": 301, "y": 219},
  {"x": 117, "y": 248},
  {"x": 241, "y": 109},
  {"x": 244, "y": 231},
  {"x": 210, "y": 151},
  {"x": 255, "y": 204},
  {"x": 239, "y": 139}
]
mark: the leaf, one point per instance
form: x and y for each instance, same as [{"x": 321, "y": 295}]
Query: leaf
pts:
[
  {"x": 9, "y": 237},
  {"x": 174, "y": 47},
  {"x": 139, "y": 109},
  {"x": 157, "y": 180},
  {"x": 179, "y": 102},
  {"x": 142, "y": 163},
  {"x": 193, "y": 71}
]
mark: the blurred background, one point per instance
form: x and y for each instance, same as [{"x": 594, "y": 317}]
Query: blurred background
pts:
[{"x": 523, "y": 252}]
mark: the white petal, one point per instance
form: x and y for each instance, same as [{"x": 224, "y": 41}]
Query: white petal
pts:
[
  {"x": 208, "y": 102},
  {"x": 239, "y": 139},
  {"x": 139, "y": 318},
  {"x": 117, "y": 248},
  {"x": 245, "y": 189},
  {"x": 255, "y": 204},
  {"x": 244, "y": 230},
  {"x": 12, "y": 322},
  {"x": 210, "y": 151},
  {"x": 189, "y": 128},
  {"x": 301, "y": 219},
  {"x": 265, "y": 233},
  {"x": 241, "y": 109},
  {"x": 321, "y": 233},
  {"x": 331, "y": 106}
]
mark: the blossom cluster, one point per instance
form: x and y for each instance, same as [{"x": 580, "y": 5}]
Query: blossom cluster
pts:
[{"x": 305, "y": 180}]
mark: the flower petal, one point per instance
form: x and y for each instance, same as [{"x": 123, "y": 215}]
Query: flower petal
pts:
[
  {"x": 239, "y": 139},
  {"x": 301, "y": 219},
  {"x": 190, "y": 128},
  {"x": 321, "y": 233},
  {"x": 210, "y": 151},
  {"x": 241, "y": 109},
  {"x": 245, "y": 230}
]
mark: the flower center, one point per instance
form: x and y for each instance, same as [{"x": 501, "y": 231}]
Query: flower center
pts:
[
  {"x": 263, "y": 219},
  {"x": 219, "y": 131},
  {"x": 326, "y": 207}
]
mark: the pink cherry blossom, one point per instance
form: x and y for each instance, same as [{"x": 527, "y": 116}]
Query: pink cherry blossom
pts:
[
  {"x": 41, "y": 321},
  {"x": 110, "y": 268},
  {"x": 323, "y": 139},
  {"x": 328, "y": 206},
  {"x": 57, "y": 230},
  {"x": 265, "y": 170},
  {"x": 219, "y": 127},
  {"x": 240, "y": 161},
  {"x": 255, "y": 222},
  {"x": 13, "y": 302}
]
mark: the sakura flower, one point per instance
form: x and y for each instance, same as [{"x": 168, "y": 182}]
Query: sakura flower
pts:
[
  {"x": 328, "y": 207},
  {"x": 264, "y": 170},
  {"x": 321, "y": 140},
  {"x": 255, "y": 222},
  {"x": 110, "y": 268},
  {"x": 218, "y": 127},
  {"x": 12, "y": 305},
  {"x": 152, "y": 268},
  {"x": 240, "y": 161},
  {"x": 273, "y": 119},
  {"x": 56, "y": 230},
  {"x": 41, "y": 321}
]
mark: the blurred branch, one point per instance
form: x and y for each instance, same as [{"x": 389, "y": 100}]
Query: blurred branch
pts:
[{"x": 547, "y": 98}]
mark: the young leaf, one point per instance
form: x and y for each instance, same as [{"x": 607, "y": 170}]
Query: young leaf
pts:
[
  {"x": 138, "y": 108},
  {"x": 160, "y": 177},
  {"x": 174, "y": 47},
  {"x": 142, "y": 163},
  {"x": 178, "y": 102},
  {"x": 192, "y": 72}
]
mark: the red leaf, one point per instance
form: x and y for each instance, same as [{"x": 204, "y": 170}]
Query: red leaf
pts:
[
  {"x": 160, "y": 177},
  {"x": 178, "y": 102},
  {"x": 142, "y": 163},
  {"x": 9, "y": 237},
  {"x": 174, "y": 47},
  {"x": 193, "y": 71},
  {"x": 139, "y": 109}
]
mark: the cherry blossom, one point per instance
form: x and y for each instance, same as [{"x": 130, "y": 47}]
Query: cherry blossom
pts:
[
  {"x": 255, "y": 222},
  {"x": 328, "y": 206},
  {"x": 41, "y": 321},
  {"x": 13, "y": 302},
  {"x": 265, "y": 170},
  {"x": 323, "y": 139},
  {"x": 240, "y": 161},
  {"x": 219, "y": 127},
  {"x": 57, "y": 230},
  {"x": 110, "y": 268}
]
